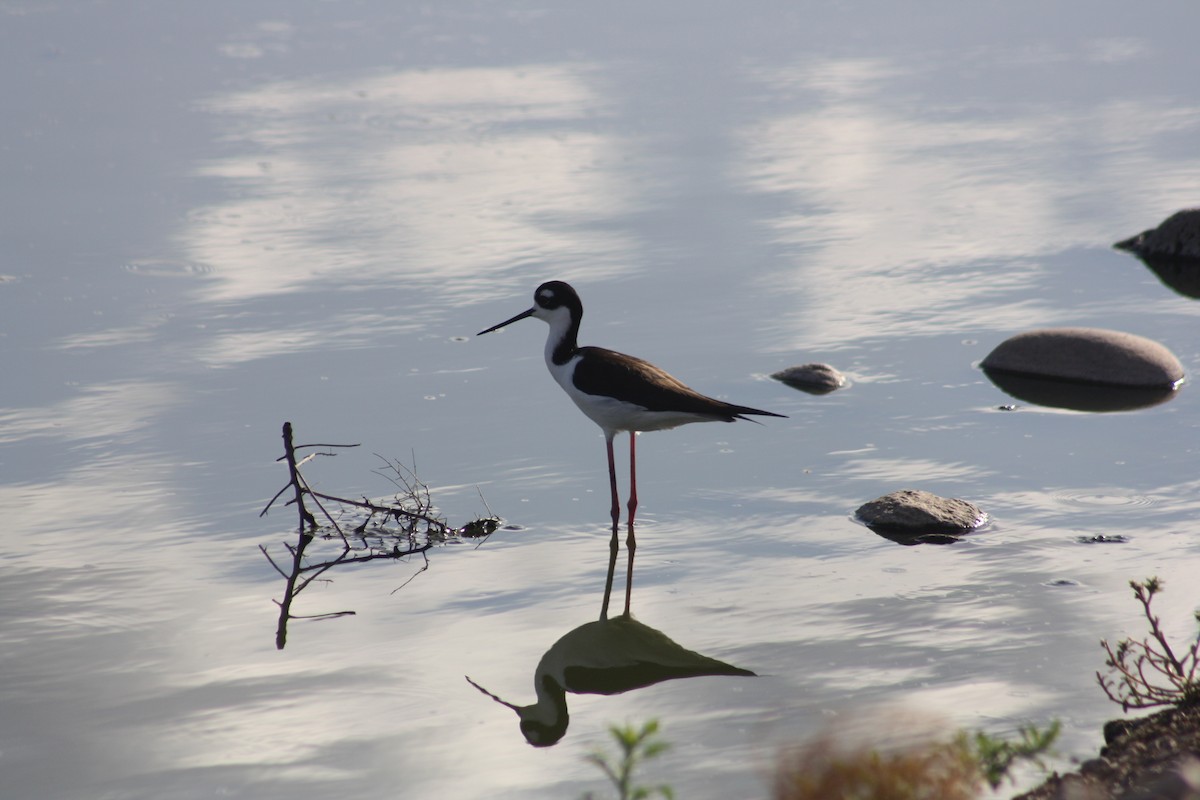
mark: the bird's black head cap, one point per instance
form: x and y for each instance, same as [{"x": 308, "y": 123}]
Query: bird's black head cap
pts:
[{"x": 554, "y": 294}]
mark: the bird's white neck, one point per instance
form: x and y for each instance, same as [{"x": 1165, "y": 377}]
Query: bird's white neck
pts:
[{"x": 561, "y": 342}]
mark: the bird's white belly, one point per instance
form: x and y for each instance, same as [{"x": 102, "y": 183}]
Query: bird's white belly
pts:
[{"x": 618, "y": 415}]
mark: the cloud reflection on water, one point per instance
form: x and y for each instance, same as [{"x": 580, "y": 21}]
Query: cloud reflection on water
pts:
[
  {"x": 344, "y": 331},
  {"x": 102, "y": 411},
  {"x": 443, "y": 177},
  {"x": 910, "y": 215}
]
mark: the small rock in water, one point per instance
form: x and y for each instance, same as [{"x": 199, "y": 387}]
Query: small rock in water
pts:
[
  {"x": 914, "y": 512},
  {"x": 1088, "y": 355},
  {"x": 1102, "y": 538},
  {"x": 479, "y": 528},
  {"x": 1178, "y": 236},
  {"x": 812, "y": 378}
]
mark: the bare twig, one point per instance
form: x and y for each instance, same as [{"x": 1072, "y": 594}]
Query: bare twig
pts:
[
  {"x": 415, "y": 574},
  {"x": 377, "y": 508},
  {"x": 289, "y": 455},
  {"x": 1141, "y": 667},
  {"x": 316, "y": 496},
  {"x": 272, "y": 561}
]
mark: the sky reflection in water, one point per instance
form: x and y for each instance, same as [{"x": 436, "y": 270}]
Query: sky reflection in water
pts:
[
  {"x": 425, "y": 178},
  {"x": 291, "y": 214}
]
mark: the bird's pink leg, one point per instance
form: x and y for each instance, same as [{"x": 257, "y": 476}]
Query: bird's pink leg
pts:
[
  {"x": 616, "y": 519},
  {"x": 630, "y": 540}
]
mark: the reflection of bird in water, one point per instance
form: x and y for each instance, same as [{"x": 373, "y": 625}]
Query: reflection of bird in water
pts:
[
  {"x": 609, "y": 656},
  {"x": 617, "y": 392}
]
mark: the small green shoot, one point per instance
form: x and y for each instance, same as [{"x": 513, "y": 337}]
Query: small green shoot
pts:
[
  {"x": 637, "y": 746},
  {"x": 996, "y": 756}
]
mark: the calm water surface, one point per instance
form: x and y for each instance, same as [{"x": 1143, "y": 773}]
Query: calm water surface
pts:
[{"x": 217, "y": 219}]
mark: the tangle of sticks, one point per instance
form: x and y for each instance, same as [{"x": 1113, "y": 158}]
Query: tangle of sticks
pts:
[{"x": 354, "y": 531}]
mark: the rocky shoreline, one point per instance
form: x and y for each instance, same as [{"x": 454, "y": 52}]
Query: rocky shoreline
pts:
[{"x": 1150, "y": 758}]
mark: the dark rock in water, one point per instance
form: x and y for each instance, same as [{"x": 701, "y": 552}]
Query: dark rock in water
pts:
[
  {"x": 1087, "y": 355},
  {"x": 912, "y": 516},
  {"x": 1177, "y": 237},
  {"x": 1171, "y": 251},
  {"x": 812, "y": 378},
  {"x": 1177, "y": 274},
  {"x": 900, "y": 536},
  {"x": 1076, "y": 395},
  {"x": 1102, "y": 538}
]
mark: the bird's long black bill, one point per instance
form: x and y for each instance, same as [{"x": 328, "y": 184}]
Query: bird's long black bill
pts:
[
  {"x": 485, "y": 691},
  {"x": 522, "y": 315}
]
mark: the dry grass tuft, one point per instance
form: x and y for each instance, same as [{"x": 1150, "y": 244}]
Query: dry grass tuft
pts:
[{"x": 827, "y": 768}]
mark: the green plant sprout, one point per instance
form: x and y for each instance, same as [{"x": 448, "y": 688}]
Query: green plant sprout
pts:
[
  {"x": 996, "y": 756},
  {"x": 637, "y": 746}
]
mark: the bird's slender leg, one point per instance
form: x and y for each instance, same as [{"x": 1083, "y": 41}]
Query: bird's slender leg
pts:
[
  {"x": 631, "y": 540},
  {"x": 632, "y": 478},
  {"x": 616, "y": 519},
  {"x": 615, "y": 510}
]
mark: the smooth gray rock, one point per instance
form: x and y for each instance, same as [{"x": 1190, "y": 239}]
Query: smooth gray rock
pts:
[
  {"x": 811, "y": 378},
  {"x": 1177, "y": 237},
  {"x": 914, "y": 511},
  {"x": 1089, "y": 355}
]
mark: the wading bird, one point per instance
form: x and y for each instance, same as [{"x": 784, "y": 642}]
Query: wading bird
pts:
[{"x": 619, "y": 393}]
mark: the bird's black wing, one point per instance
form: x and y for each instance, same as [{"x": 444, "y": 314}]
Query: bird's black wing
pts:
[{"x": 608, "y": 373}]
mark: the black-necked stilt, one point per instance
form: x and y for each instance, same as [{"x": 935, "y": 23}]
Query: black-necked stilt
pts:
[
  {"x": 618, "y": 392},
  {"x": 606, "y": 657}
]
